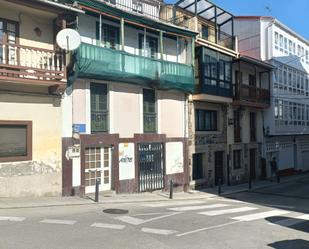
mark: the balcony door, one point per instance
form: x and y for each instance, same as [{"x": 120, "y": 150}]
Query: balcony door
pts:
[{"x": 8, "y": 42}]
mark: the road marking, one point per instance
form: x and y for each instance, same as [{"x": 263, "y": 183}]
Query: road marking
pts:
[
  {"x": 231, "y": 200},
  {"x": 148, "y": 214},
  {"x": 172, "y": 203},
  {"x": 262, "y": 215},
  {"x": 228, "y": 211},
  {"x": 207, "y": 228},
  {"x": 60, "y": 222},
  {"x": 136, "y": 221},
  {"x": 15, "y": 219},
  {"x": 108, "y": 226},
  {"x": 130, "y": 220},
  {"x": 158, "y": 231},
  {"x": 277, "y": 206},
  {"x": 291, "y": 221},
  {"x": 192, "y": 208}
]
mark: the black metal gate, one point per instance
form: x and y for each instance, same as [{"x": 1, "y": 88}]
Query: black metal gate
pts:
[{"x": 151, "y": 167}]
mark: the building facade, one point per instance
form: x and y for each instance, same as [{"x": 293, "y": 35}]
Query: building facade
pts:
[
  {"x": 286, "y": 122},
  {"x": 208, "y": 106},
  {"x": 251, "y": 97},
  {"x": 32, "y": 77},
  {"x": 127, "y": 99}
]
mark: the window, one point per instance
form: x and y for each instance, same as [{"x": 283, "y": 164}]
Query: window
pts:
[
  {"x": 197, "y": 166},
  {"x": 281, "y": 43},
  {"x": 237, "y": 127},
  {"x": 217, "y": 69},
  {"x": 276, "y": 40},
  {"x": 8, "y": 35},
  {"x": 290, "y": 47},
  {"x": 110, "y": 36},
  {"x": 205, "y": 32},
  {"x": 205, "y": 120},
  {"x": 252, "y": 126},
  {"x": 237, "y": 159},
  {"x": 149, "y": 109},
  {"x": 15, "y": 141},
  {"x": 99, "y": 108},
  {"x": 151, "y": 47}
]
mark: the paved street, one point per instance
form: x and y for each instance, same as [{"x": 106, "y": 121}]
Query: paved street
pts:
[{"x": 273, "y": 217}]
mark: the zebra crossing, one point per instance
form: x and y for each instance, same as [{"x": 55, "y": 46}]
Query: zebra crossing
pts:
[{"x": 232, "y": 212}]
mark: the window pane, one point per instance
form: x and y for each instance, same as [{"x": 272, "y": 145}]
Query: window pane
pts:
[
  {"x": 13, "y": 140},
  {"x": 99, "y": 109},
  {"x": 149, "y": 107}
]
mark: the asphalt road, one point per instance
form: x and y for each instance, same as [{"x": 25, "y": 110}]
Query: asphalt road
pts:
[{"x": 276, "y": 217}]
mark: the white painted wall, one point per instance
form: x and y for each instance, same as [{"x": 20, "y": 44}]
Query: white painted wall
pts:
[{"x": 126, "y": 109}]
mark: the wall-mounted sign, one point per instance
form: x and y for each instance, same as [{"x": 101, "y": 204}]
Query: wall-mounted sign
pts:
[
  {"x": 174, "y": 158},
  {"x": 126, "y": 161}
]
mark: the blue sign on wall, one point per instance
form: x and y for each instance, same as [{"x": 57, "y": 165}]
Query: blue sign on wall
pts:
[{"x": 79, "y": 128}]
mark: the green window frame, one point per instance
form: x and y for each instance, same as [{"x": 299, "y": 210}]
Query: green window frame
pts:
[
  {"x": 99, "y": 107},
  {"x": 206, "y": 120},
  {"x": 149, "y": 111}
]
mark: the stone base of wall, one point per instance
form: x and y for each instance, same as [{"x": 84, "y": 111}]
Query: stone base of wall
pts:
[{"x": 44, "y": 185}]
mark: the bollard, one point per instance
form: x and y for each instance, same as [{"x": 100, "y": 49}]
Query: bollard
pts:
[
  {"x": 97, "y": 186},
  {"x": 278, "y": 178},
  {"x": 250, "y": 183},
  {"x": 219, "y": 186},
  {"x": 171, "y": 189}
]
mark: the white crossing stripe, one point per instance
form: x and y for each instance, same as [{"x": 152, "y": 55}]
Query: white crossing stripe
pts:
[
  {"x": 60, "y": 222},
  {"x": 158, "y": 231},
  {"x": 136, "y": 221},
  {"x": 172, "y": 203},
  {"x": 262, "y": 215},
  {"x": 130, "y": 220},
  {"x": 228, "y": 211},
  {"x": 108, "y": 226},
  {"x": 15, "y": 219},
  {"x": 192, "y": 208},
  {"x": 292, "y": 221}
]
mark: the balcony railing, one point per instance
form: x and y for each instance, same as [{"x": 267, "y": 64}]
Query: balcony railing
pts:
[
  {"x": 251, "y": 94},
  {"x": 147, "y": 8},
  {"x": 104, "y": 63},
  {"x": 25, "y": 63}
]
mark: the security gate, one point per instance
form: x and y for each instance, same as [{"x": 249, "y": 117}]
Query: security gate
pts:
[{"x": 151, "y": 167}]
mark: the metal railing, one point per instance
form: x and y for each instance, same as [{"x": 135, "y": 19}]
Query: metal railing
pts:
[
  {"x": 18, "y": 61},
  {"x": 251, "y": 94}
]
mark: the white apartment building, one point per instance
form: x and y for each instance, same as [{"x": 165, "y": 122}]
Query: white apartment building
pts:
[{"x": 286, "y": 123}]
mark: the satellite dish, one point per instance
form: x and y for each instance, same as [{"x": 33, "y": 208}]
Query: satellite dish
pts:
[{"x": 68, "y": 39}]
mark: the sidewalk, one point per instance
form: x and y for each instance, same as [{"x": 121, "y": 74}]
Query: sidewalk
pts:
[{"x": 111, "y": 198}]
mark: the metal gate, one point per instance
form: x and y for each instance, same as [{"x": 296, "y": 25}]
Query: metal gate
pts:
[{"x": 151, "y": 167}]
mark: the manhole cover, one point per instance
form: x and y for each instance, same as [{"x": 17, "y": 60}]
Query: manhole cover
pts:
[{"x": 115, "y": 211}]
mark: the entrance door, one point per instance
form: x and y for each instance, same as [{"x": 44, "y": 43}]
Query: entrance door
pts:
[
  {"x": 252, "y": 163},
  {"x": 151, "y": 167},
  {"x": 219, "y": 167},
  {"x": 97, "y": 166}
]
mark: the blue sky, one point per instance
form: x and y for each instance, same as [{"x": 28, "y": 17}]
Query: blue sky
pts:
[{"x": 293, "y": 13}]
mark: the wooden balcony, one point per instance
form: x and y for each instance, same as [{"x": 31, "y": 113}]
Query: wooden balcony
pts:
[
  {"x": 251, "y": 96},
  {"x": 29, "y": 65}
]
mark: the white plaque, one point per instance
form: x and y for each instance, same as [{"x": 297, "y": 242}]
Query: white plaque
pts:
[
  {"x": 174, "y": 158},
  {"x": 126, "y": 161}
]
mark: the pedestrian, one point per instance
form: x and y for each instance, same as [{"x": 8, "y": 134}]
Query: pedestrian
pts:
[{"x": 273, "y": 168}]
